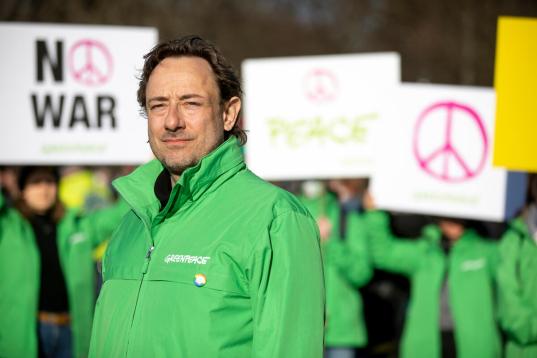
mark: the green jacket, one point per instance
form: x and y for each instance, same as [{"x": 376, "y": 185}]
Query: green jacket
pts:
[
  {"x": 517, "y": 286},
  {"x": 346, "y": 267},
  {"x": 230, "y": 267},
  {"x": 470, "y": 270},
  {"x": 20, "y": 271}
]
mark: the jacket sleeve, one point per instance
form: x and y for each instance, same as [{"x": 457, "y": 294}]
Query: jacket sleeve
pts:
[
  {"x": 3, "y": 214},
  {"x": 287, "y": 289},
  {"x": 100, "y": 225},
  {"x": 351, "y": 256},
  {"x": 388, "y": 252},
  {"x": 2, "y": 204},
  {"x": 517, "y": 317}
]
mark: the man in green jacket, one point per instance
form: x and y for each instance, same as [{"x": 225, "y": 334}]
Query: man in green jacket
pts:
[
  {"x": 211, "y": 261},
  {"x": 451, "y": 272},
  {"x": 346, "y": 266},
  {"x": 517, "y": 282},
  {"x": 23, "y": 289}
]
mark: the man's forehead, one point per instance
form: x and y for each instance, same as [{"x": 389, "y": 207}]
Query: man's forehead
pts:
[
  {"x": 182, "y": 70},
  {"x": 185, "y": 64}
]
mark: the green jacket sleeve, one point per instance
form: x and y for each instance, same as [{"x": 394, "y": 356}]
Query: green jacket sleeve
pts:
[
  {"x": 287, "y": 290},
  {"x": 100, "y": 225},
  {"x": 3, "y": 212},
  {"x": 388, "y": 252},
  {"x": 2, "y": 204},
  {"x": 351, "y": 255},
  {"x": 516, "y": 315}
]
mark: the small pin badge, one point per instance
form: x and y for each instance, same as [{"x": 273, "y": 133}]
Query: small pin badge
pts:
[{"x": 200, "y": 280}]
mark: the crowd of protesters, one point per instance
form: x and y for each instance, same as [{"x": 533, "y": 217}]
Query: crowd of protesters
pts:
[
  {"x": 470, "y": 289},
  {"x": 410, "y": 286}
]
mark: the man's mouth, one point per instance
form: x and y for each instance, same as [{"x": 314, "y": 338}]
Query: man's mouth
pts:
[{"x": 175, "y": 141}]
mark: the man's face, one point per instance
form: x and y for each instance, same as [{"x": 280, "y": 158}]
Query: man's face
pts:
[
  {"x": 186, "y": 119},
  {"x": 40, "y": 192},
  {"x": 452, "y": 230}
]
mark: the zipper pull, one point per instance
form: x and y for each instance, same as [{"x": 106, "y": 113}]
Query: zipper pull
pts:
[
  {"x": 147, "y": 259},
  {"x": 148, "y": 256}
]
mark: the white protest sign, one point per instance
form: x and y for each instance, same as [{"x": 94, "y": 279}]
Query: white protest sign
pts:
[
  {"x": 314, "y": 117},
  {"x": 69, "y": 94},
  {"x": 435, "y": 154}
]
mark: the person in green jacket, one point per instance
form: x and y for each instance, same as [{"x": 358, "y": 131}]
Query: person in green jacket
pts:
[
  {"x": 451, "y": 271},
  {"x": 517, "y": 282},
  {"x": 211, "y": 261},
  {"x": 346, "y": 267},
  {"x": 47, "y": 290}
]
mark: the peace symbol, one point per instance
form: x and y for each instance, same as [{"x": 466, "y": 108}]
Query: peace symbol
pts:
[
  {"x": 450, "y": 161},
  {"x": 320, "y": 85},
  {"x": 90, "y": 62}
]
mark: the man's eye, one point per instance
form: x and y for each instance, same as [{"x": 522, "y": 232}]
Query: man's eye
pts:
[
  {"x": 193, "y": 104},
  {"x": 156, "y": 106}
]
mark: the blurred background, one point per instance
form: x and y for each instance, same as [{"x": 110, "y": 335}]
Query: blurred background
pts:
[{"x": 441, "y": 41}]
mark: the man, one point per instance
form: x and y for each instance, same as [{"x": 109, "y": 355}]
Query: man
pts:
[
  {"x": 451, "y": 270},
  {"x": 47, "y": 289},
  {"x": 211, "y": 261},
  {"x": 346, "y": 262},
  {"x": 517, "y": 284}
]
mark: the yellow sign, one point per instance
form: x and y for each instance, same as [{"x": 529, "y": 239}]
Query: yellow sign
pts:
[{"x": 515, "y": 81}]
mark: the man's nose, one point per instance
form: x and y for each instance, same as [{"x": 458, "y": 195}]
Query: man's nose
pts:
[{"x": 174, "y": 119}]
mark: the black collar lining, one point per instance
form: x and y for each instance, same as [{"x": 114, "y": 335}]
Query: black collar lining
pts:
[{"x": 163, "y": 188}]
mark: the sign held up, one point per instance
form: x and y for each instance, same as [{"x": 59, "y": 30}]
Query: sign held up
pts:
[
  {"x": 515, "y": 81},
  {"x": 435, "y": 155},
  {"x": 70, "y": 94},
  {"x": 315, "y": 117}
]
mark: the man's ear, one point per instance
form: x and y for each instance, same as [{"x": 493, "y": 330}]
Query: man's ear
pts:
[{"x": 231, "y": 112}]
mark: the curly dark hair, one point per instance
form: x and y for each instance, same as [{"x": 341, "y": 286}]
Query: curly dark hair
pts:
[{"x": 228, "y": 82}]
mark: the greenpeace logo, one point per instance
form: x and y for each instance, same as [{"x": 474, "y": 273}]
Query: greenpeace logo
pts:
[
  {"x": 187, "y": 259},
  {"x": 472, "y": 265},
  {"x": 77, "y": 238}
]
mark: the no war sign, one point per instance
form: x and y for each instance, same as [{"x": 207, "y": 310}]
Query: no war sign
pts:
[
  {"x": 69, "y": 94},
  {"x": 435, "y": 155}
]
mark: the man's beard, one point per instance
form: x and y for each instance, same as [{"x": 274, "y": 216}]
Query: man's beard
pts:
[
  {"x": 178, "y": 168},
  {"x": 174, "y": 166}
]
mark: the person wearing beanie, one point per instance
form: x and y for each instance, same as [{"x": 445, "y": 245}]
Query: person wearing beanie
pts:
[{"x": 47, "y": 288}]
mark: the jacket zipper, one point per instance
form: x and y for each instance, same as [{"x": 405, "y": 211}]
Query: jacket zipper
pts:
[
  {"x": 144, "y": 271},
  {"x": 147, "y": 260}
]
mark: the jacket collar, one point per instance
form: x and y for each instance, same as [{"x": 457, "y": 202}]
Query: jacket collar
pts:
[
  {"x": 433, "y": 234},
  {"x": 212, "y": 170},
  {"x": 521, "y": 228}
]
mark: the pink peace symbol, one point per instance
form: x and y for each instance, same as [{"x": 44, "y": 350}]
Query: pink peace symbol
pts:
[
  {"x": 320, "y": 85},
  {"x": 90, "y": 62},
  {"x": 447, "y": 150}
]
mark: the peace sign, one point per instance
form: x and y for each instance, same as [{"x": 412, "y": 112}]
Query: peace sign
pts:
[
  {"x": 452, "y": 160},
  {"x": 90, "y": 62},
  {"x": 320, "y": 85}
]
